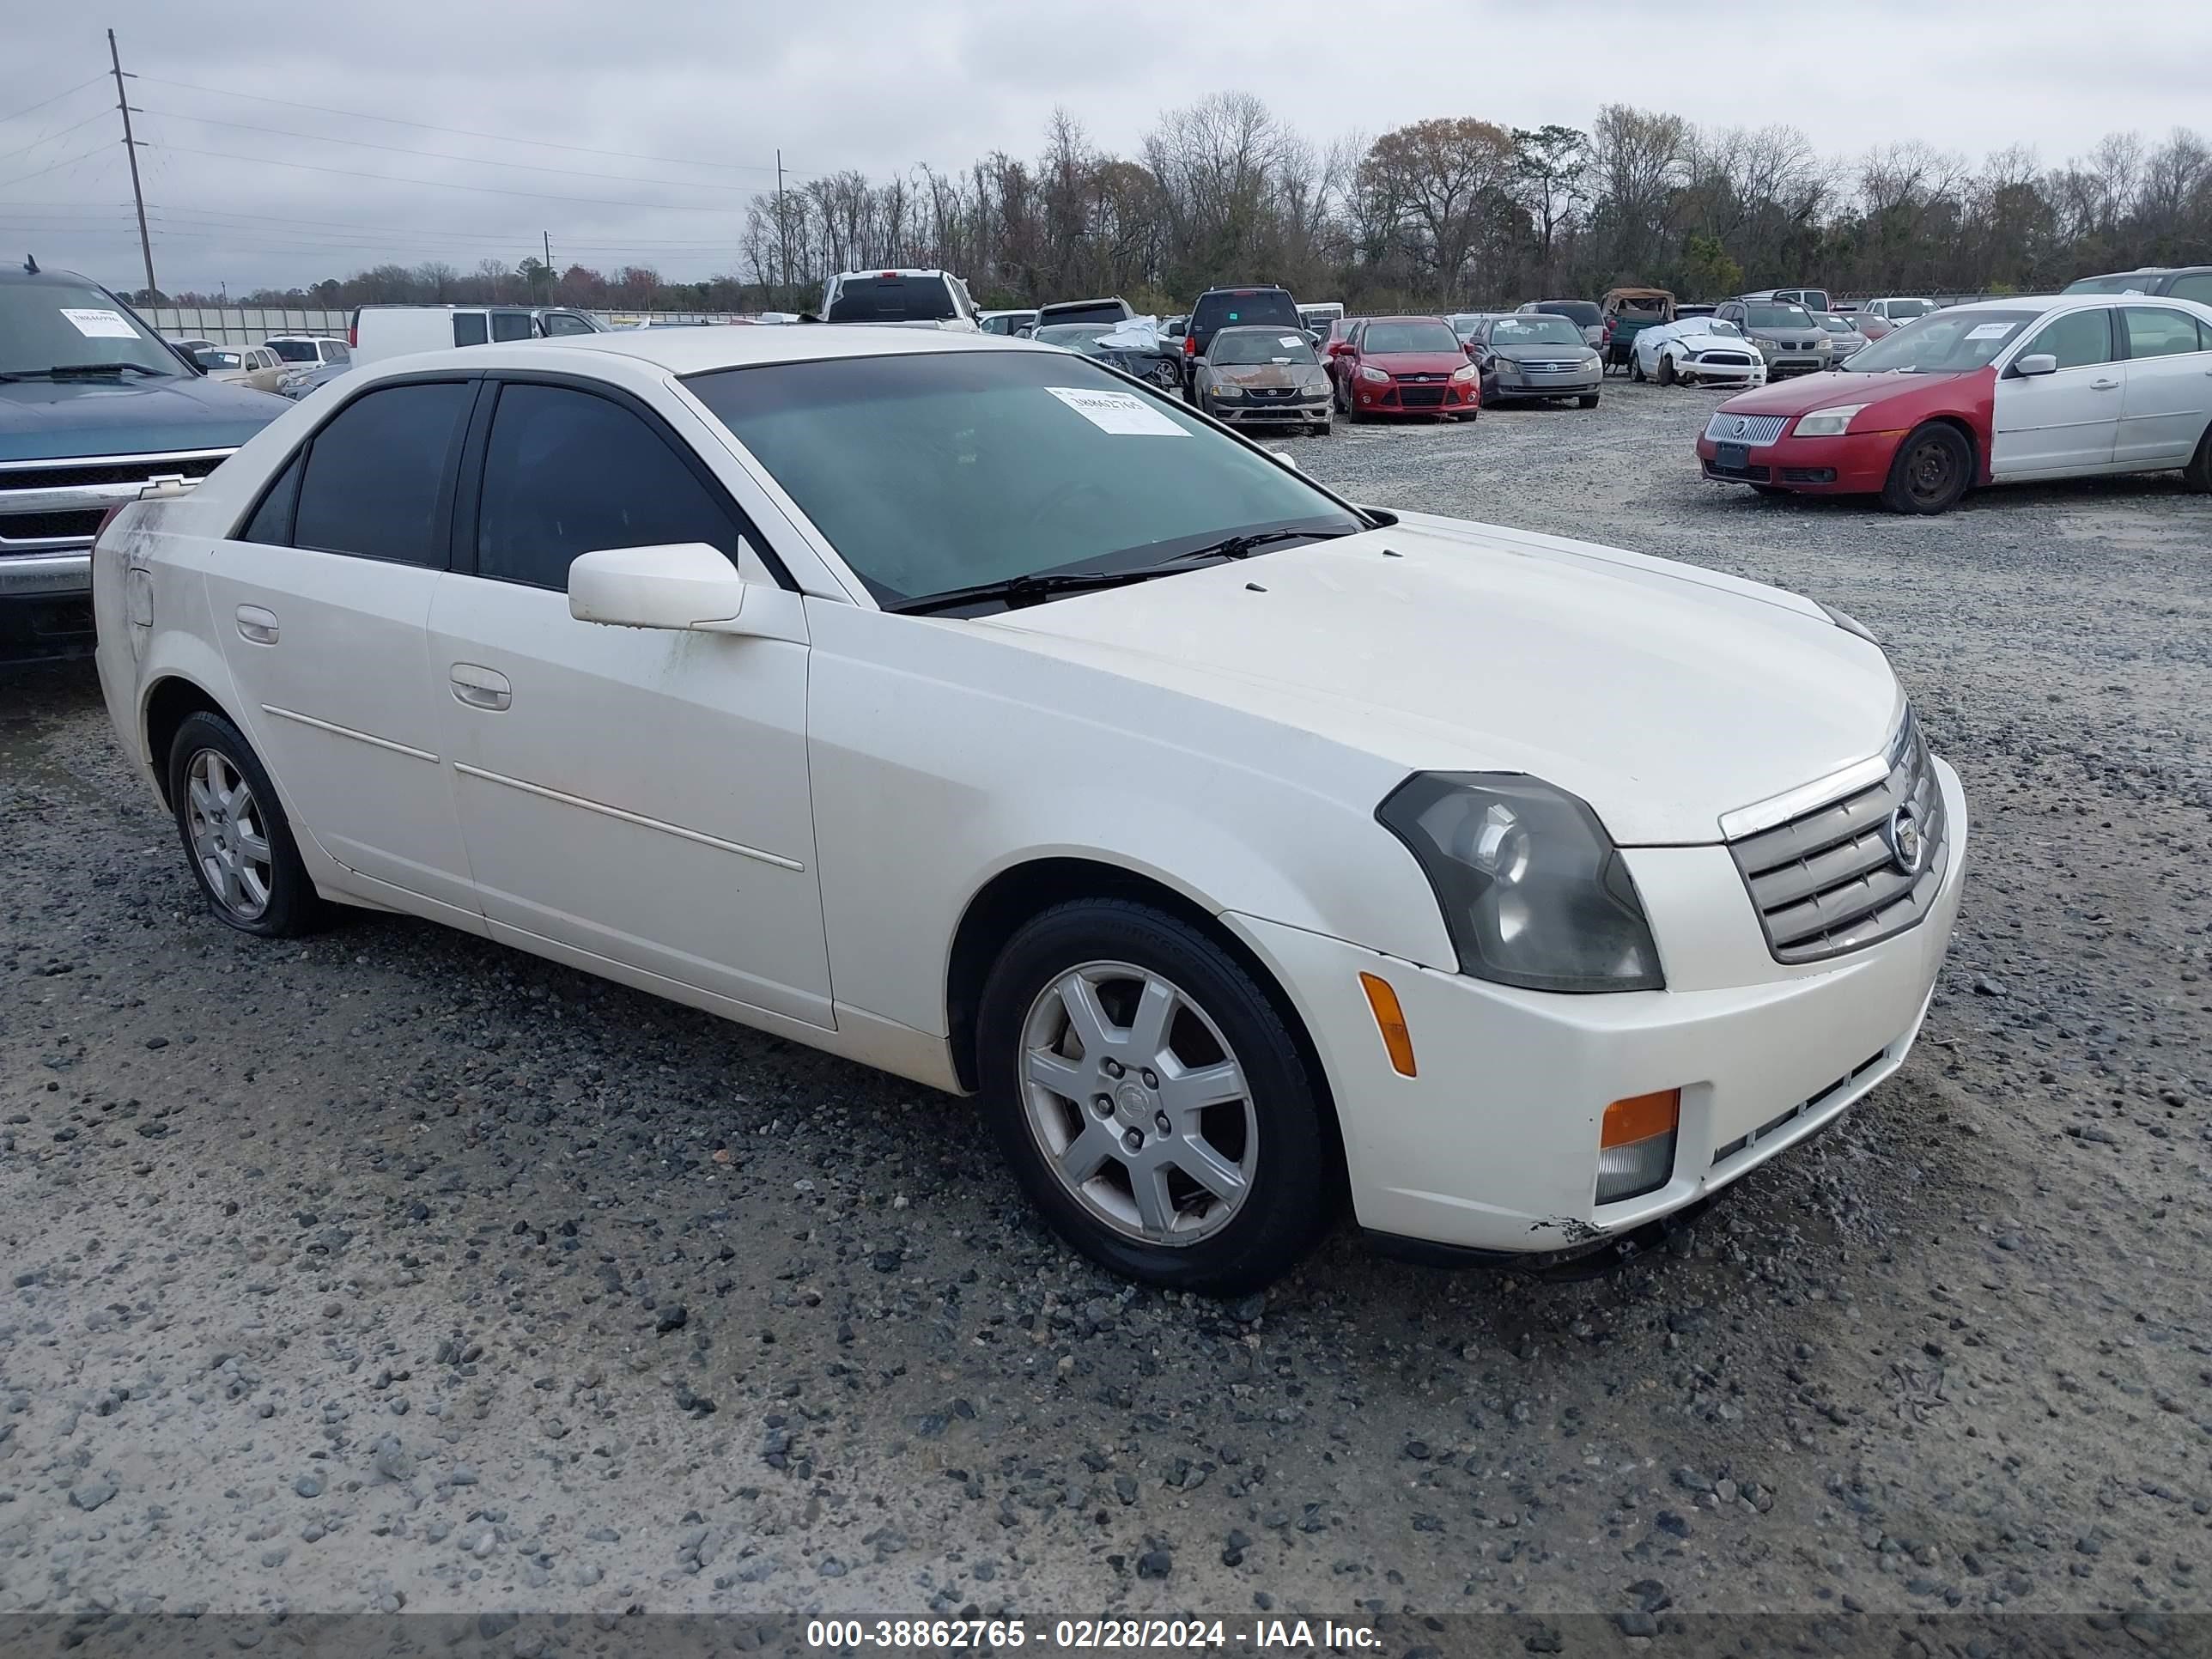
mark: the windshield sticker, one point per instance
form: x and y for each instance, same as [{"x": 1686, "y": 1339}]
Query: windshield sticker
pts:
[
  {"x": 1123, "y": 413},
  {"x": 1286, "y": 340},
  {"x": 1990, "y": 331},
  {"x": 100, "y": 325}
]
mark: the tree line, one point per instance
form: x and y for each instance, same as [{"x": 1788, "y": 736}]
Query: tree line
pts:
[{"x": 1443, "y": 214}]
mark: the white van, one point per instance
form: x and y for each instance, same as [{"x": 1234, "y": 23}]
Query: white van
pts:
[{"x": 393, "y": 330}]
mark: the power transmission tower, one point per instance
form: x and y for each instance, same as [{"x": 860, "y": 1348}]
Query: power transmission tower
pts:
[{"x": 130, "y": 150}]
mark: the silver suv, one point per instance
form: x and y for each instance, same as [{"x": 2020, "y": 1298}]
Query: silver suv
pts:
[{"x": 1788, "y": 336}]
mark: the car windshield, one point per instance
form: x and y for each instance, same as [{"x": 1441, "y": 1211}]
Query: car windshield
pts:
[
  {"x": 1535, "y": 328},
  {"x": 293, "y": 351},
  {"x": 892, "y": 299},
  {"x": 45, "y": 325},
  {"x": 986, "y": 466},
  {"x": 1641, "y": 307},
  {"x": 1253, "y": 305},
  {"x": 2127, "y": 282},
  {"x": 1904, "y": 311},
  {"x": 210, "y": 357},
  {"x": 1836, "y": 325},
  {"x": 1088, "y": 311},
  {"x": 1777, "y": 316},
  {"x": 1075, "y": 336},
  {"x": 1242, "y": 346},
  {"x": 1583, "y": 313},
  {"x": 1383, "y": 338},
  {"x": 1961, "y": 338}
]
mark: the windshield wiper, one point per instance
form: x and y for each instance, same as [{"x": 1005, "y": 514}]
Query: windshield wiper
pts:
[
  {"x": 84, "y": 368},
  {"x": 1018, "y": 591}
]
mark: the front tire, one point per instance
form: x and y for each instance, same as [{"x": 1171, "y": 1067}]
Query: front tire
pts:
[
  {"x": 235, "y": 835},
  {"x": 1931, "y": 470},
  {"x": 2197, "y": 475},
  {"x": 1588, "y": 400},
  {"x": 1153, "y": 1102},
  {"x": 1666, "y": 369}
]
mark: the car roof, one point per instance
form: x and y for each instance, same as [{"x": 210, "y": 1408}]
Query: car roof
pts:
[
  {"x": 700, "y": 351},
  {"x": 1406, "y": 317}
]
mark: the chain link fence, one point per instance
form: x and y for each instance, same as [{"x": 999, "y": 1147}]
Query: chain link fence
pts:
[{"x": 249, "y": 325}]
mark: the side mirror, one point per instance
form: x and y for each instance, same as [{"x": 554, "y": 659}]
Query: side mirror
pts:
[
  {"x": 2037, "y": 362},
  {"x": 1287, "y": 459},
  {"x": 685, "y": 586}
]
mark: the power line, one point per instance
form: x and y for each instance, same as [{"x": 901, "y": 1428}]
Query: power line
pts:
[
  {"x": 56, "y": 99},
  {"x": 97, "y": 115},
  {"x": 467, "y": 132},
  {"x": 446, "y": 155},
  {"x": 440, "y": 184},
  {"x": 23, "y": 177},
  {"x": 218, "y": 216}
]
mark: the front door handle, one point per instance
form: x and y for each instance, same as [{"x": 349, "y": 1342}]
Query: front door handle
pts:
[
  {"x": 2104, "y": 385},
  {"x": 481, "y": 688},
  {"x": 255, "y": 625}
]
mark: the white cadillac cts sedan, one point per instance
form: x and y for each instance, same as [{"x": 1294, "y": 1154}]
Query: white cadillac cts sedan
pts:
[{"x": 953, "y": 704}]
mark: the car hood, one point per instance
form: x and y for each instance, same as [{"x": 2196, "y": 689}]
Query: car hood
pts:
[
  {"x": 1415, "y": 362},
  {"x": 1541, "y": 353},
  {"x": 1662, "y": 694},
  {"x": 44, "y": 420},
  {"x": 1811, "y": 392}
]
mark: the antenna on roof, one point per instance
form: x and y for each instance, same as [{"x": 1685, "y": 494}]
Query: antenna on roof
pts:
[{"x": 30, "y": 265}]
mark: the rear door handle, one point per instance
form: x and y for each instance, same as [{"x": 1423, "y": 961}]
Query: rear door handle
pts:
[
  {"x": 257, "y": 625},
  {"x": 481, "y": 688}
]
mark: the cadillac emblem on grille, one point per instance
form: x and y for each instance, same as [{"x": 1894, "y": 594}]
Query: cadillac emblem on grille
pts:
[{"x": 1907, "y": 845}]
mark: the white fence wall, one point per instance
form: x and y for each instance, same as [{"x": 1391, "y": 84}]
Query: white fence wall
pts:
[{"x": 246, "y": 326}]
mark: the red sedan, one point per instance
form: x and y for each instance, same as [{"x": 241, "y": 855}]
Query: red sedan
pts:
[
  {"x": 1404, "y": 365},
  {"x": 2069, "y": 386}
]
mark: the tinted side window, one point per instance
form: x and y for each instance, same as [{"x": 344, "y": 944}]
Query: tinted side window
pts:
[
  {"x": 375, "y": 482},
  {"x": 566, "y": 472},
  {"x": 510, "y": 325},
  {"x": 892, "y": 300},
  {"x": 271, "y": 523},
  {"x": 2154, "y": 332},
  {"x": 2077, "y": 339},
  {"x": 565, "y": 322},
  {"x": 2195, "y": 286},
  {"x": 469, "y": 328}
]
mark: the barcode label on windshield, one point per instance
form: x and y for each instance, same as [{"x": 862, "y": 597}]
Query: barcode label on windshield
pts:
[
  {"x": 1123, "y": 413},
  {"x": 100, "y": 325}
]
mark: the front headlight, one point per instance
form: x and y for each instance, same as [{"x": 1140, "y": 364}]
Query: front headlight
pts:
[
  {"x": 1533, "y": 892},
  {"x": 1827, "y": 423},
  {"x": 1377, "y": 375},
  {"x": 1469, "y": 373},
  {"x": 1228, "y": 391}
]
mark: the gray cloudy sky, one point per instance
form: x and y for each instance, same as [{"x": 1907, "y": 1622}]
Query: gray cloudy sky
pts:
[{"x": 250, "y": 190}]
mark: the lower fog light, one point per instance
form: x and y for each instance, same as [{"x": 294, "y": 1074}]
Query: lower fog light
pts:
[{"x": 1636, "y": 1145}]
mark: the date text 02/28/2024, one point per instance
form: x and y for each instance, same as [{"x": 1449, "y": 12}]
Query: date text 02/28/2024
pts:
[{"x": 1086, "y": 1635}]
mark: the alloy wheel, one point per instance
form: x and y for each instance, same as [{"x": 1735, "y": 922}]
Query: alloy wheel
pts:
[
  {"x": 229, "y": 835},
  {"x": 1139, "y": 1107}
]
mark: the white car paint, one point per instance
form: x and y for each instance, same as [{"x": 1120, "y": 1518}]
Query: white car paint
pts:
[
  {"x": 783, "y": 816},
  {"x": 1685, "y": 343}
]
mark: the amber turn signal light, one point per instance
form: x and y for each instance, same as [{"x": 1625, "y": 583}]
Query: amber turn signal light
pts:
[
  {"x": 1391, "y": 1021},
  {"x": 1641, "y": 1117}
]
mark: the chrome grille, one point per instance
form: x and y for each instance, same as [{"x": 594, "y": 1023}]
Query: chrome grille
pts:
[
  {"x": 1421, "y": 397},
  {"x": 1726, "y": 428},
  {"x": 1724, "y": 360},
  {"x": 1832, "y": 878},
  {"x": 54, "y": 507}
]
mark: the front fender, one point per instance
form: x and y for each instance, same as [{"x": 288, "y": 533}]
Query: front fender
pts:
[{"x": 942, "y": 756}]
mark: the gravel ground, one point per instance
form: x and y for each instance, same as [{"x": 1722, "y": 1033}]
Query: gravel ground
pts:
[{"x": 396, "y": 1269}]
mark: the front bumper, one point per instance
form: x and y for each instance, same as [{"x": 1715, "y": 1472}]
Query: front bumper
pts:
[
  {"x": 1432, "y": 398},
  {"x": 1855, "y": 464},
  {"x": 1693, "y": 371},
  {"x": 1580, "y": 383},
  {"x": 46, "y": 605},
  {"x": 1781, "y": 365},
  {"x": 1493, "y": 1145},
  {"x": 1270, "y": 412}
]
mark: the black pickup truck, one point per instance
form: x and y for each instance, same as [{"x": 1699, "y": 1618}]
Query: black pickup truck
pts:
[{"x": 93, "y": 407}]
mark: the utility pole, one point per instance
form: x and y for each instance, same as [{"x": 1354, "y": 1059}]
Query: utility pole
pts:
[
  {"x": 130, "y": 150},
  {"x": 549, "y": 265},
  {"x": 782, "y": 233}
]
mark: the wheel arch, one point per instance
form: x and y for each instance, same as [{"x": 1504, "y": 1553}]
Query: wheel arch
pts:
[
  {"x": 1010, "y": 897},
  {"x": 170, "y": 701}
]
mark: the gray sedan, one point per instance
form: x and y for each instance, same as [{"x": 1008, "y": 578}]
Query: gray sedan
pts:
[
  {"x": 1262, "y": 377},
  {"x": 1533, "y": 353}
]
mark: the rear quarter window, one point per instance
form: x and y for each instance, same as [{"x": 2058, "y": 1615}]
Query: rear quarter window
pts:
[{"x": 893, "y": 300}]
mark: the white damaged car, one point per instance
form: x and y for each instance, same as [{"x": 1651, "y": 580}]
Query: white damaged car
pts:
[
  {"x": 1697, "y": 351},
  {"x": 1242, "y": 851}
]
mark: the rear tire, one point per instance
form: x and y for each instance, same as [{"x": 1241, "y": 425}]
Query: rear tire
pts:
[
  {"x": 1243, "y": 1186},
  {"x": 2197, "y": 475},
  {"x": 1932, "y": 470},
  {"x": 1635, "y": 368},
  {"x": 236, "y": 838},
  {"x": 1323, "y": 429}
]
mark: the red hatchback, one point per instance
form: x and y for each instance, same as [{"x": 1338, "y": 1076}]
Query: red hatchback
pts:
[{"x": 1404, "y": 365}]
